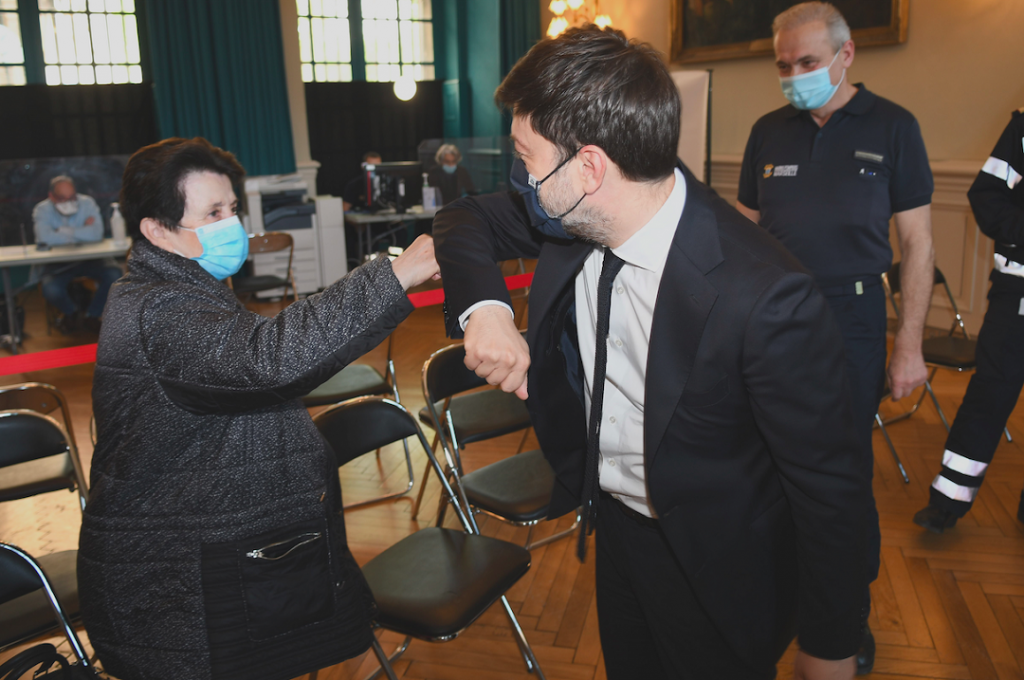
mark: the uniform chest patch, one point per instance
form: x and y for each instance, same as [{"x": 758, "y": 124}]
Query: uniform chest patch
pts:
[{"x": 782, "y": 171}]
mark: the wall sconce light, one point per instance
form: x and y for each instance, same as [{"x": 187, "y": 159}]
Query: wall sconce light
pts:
[{"x": 575, "y": 13}]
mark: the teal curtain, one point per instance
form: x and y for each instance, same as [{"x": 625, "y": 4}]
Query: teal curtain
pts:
[
  {"x": 520, "y": 29},
  {"x": 218, "y": 72}
]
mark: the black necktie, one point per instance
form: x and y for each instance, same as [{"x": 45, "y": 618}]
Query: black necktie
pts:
[{"x": 609, "y": 270}]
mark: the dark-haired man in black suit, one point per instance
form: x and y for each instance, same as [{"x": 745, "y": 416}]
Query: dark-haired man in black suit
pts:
[{"x": 685, "y": 377}]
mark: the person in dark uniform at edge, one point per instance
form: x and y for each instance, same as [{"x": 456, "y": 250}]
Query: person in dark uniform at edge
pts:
[
  {"x": 824, "y": 175},
  {"x": 720, "y": 457},
  {"x": 997, "y": 199},
  {"x": 451, "y": 178},
  {"x": 353, "y": 197}
]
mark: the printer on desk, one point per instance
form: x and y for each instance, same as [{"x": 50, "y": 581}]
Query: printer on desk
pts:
[{"x": 280, "y": 203}]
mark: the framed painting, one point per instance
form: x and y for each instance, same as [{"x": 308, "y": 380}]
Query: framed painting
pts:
[{"x": 710, "y": 30}]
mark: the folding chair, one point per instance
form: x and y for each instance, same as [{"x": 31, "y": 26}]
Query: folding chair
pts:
[
  {"x": 948, "y": 351},
  {"x": 361, "y": 380},
  {"x": 37, "y": 597},
  {"x": 39, "y": 455},
  {"x": 515, "y": 490},
  {"x": 434, "y": 583},
  {"x": 268, "y": 242}
]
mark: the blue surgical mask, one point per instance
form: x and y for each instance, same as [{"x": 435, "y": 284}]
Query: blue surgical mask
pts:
[
  {"x": 225, "y": 247},
  {"x": 527, "y": 185},
  {"x": 450, "y": 169},
  {"x": 811, "y": 90}
]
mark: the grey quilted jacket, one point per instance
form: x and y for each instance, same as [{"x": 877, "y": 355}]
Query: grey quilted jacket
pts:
[{"x": 213, "y": 545}]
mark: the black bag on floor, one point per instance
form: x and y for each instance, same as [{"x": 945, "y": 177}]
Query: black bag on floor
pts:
[{"x": 44, "y": 657}]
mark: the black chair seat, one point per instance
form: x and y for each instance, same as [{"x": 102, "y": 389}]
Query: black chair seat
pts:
[
  {"x": 31, "y": 615},
  {"x": 355, "y": 380},
  {"x": 436, "y": 582},
  {"x": 255, "y": 284},
  {"x": 950, "y": 352},
  {"x": 483, "y": 415},
  {"x": 517, "y": 488}
]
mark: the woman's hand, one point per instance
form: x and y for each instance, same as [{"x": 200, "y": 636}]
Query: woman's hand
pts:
[{"x": 416, "y": 264}]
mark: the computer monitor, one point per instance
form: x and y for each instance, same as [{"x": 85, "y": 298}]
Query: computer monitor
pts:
[{"x": 397, "y": 185}]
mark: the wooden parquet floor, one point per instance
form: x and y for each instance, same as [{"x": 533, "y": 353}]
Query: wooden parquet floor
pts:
[{"x": 949, "y": 606}]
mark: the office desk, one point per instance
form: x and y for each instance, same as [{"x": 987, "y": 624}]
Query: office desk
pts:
[
  {"x": 13, "y": 256},
  {"x": 364, "y": 223}
]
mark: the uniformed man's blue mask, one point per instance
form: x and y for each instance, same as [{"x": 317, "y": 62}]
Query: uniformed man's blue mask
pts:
[
  {"x": 527, "y": 186},
  {"x": 811, "y": 90}
]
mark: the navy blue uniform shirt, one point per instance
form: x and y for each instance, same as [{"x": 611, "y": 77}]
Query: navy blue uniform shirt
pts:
[{"x": 828, "y": 193}]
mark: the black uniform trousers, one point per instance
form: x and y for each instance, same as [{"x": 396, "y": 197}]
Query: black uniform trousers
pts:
[
  {"x": 651, "y": 624},
  {"x": 991, "y": 395},
  {"x": 862, "y": 323}
]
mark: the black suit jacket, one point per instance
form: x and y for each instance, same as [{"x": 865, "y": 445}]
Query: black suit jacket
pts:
[{"x": 750, "y": 456}]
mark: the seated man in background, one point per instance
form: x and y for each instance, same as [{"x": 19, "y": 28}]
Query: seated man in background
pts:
[
  {"x": 66, "y": 217},
  {"x": 353, "y": 196},
  {"x": 451, "y": 178}
]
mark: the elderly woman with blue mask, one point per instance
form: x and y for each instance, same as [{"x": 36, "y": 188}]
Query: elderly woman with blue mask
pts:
[
  {"x": 213, "y": 545},
  {"x": 451, "y": 178}
]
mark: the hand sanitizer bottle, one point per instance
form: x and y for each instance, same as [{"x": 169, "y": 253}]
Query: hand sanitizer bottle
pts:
[
  {"x": 117, "y": 227},
  {"x": 429, "y": 198}
]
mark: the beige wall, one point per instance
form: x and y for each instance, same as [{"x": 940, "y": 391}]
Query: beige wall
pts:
[{"x": 959, "y": 72}]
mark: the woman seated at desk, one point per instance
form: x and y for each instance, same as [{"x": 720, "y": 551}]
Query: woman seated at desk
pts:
[
  {"x": 451, "y": 178},
  {"x": 213, "y": 544}
]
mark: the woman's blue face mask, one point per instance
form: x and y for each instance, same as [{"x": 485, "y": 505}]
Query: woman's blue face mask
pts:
[{"x": 225, "y": 246}]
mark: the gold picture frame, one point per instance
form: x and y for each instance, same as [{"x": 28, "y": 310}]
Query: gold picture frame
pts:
[{"x": 872, "y": 22}]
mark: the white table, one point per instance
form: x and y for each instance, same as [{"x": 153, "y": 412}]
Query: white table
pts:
[
  {"x": 13, "y": 256},
  {"x": 364, "y": 223}
]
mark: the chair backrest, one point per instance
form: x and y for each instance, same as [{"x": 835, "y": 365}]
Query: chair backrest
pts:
[
  {"x": 361, "y": 425},
  {"x": 28, "y": 435},
  {"x": 39, "y": 397},
  {"x": 20, "y": 575},
  {"x": 270, "y": 242},
  {"x": 445, "y": 374},
  {"x": 891, "y": 281}
]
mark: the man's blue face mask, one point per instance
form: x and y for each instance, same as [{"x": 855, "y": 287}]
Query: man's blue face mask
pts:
[
  {"x": 527, "y": 185},
  {"x": 811, "y": 90}
]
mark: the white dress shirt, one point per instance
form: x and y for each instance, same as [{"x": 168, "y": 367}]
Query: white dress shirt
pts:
[{"x": 634, "y": 294}]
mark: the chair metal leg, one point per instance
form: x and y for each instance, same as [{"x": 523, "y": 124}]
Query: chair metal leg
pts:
[
  {"x": 385, "y": 660},
  {"x": 426, "y": 476},
  {"x": 935, "y": 400},
  {"x": 1006, "y": 431},
  {"x": 892, "y": 449},
  {"x": 524, "y": 647},
  {"x": 423, "y": 487},
  {"x": 553, "y": 537}
]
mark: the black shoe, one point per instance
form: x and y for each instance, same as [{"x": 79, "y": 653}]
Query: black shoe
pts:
[
  {"x": 866, "y": 653},
  {"x": 935, "y": 519}
]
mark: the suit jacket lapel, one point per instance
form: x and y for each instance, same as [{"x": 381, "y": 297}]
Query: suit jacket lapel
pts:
[
  {"x": 559, "y": 262},
  {"x": 685, "y": 299}
]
